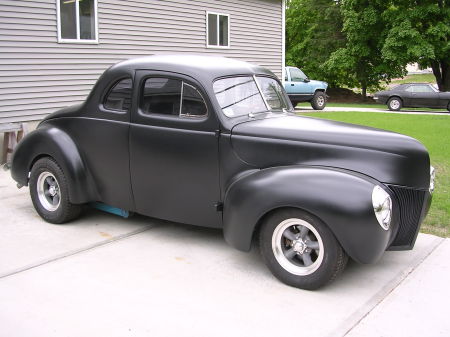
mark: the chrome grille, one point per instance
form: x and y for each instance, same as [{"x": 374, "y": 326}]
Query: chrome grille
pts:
[{"x": 411, "y": 203}]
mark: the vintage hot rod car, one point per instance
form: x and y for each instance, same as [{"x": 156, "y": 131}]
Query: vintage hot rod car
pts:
[{"x": 213, "y": 142}]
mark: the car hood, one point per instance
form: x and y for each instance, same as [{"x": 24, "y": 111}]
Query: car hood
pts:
[
  {"x": 389, "y": 157},
  {"x": 318, "y": 83}
]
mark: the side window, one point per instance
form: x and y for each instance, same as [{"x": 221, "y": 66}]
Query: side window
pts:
[
  {"x": 193, "y": 104},
  {"x": 161, "y": 96},
  {"x": 410, "y": 89},
  {"x": 119, "y": 96},
  {"x": 167, "y": 96},
  {"x": 422, "y": 88},
  {"x": 297, "y": 75}
]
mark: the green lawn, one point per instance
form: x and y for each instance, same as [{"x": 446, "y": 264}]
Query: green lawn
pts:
[
  {"x": 416, "y": 78},
  {"x": 434, "y": 133},
  {"x": 366, "y": 105}
]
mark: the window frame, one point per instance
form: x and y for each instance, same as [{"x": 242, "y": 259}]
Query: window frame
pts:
[
  {"x": 108, "y": 91},
  {"x": 213, "y": 46},
  {"x": 77, "y": 23},
  {"x": 180, "y": 116}
]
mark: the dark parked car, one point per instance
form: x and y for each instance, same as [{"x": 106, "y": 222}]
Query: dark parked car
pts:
[
  {"x": 213, "y": 142},
  {"x": 413, "y": 95}
]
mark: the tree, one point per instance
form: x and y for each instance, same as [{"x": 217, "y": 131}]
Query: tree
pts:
[
  {"x": 419, "y": 31},
  {"x": 361, "y": 62},
  {"x": 313, "y": 33}
]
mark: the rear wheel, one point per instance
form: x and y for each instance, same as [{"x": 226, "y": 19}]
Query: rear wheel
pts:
[
  {"x": 300, "y": 250},
  {"x": 448, "y": 107},
  {"x": 394, "y": 104},
  {"x": 50, "y": 192},
  {"x": 319, "y": 101}
]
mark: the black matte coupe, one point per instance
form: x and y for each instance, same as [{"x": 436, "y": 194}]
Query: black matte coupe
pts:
[
  {"x": 413, "y": 95},
  {"x": 215, "y": 142}
]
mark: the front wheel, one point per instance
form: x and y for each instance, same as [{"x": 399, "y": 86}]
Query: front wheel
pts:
[
  {"x": 300, "y": 250},
  {"x": 319, "y": 101},
  {"x": 49, "y": 192},
  {"x": 394, "y": 104}
]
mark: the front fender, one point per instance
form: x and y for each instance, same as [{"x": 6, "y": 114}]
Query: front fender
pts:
[
  {"x": 342, "y": 199},
  {"x": 53, "y": 142}
]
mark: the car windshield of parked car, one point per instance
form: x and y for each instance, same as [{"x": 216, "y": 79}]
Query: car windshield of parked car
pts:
[{"x": 241, "y": 95}]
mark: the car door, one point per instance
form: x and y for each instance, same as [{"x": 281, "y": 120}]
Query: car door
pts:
[
  {"x": 174, "y": 150},
  {"x": 423, "y": 95},
  {"x": 101, "y": 134},
  {"x": 296, "y": 84}
]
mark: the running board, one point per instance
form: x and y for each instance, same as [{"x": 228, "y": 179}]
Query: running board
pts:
[{"x": 110, "y": 209}]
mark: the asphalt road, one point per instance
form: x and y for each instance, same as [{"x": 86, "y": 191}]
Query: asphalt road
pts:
[{"x": 107, "y": 276}]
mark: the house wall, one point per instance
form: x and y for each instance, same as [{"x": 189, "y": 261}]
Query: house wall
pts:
[{"x": 39, "y": 75}]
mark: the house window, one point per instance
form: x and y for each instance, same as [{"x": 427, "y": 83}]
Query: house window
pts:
[
  {"x": 218, "y": 30},
  {"x": 77, "y": 21}
]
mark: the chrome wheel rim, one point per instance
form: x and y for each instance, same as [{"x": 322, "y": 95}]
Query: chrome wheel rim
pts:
[
  {"x": 395, "y": 104},
  {"x": 48, "y": 191},
  {"x": 297, "y": 246},
  {"x": 320, "y": 100}
]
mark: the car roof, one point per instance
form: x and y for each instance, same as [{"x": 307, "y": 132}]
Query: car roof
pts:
[{"x": 200, "y": 67}]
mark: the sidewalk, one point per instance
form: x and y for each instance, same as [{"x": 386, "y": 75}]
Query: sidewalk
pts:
[{"x": 106, "y": 276}]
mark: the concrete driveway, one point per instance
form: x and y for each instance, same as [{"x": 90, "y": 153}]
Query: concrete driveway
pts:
[{"x": 106, "y": 276}]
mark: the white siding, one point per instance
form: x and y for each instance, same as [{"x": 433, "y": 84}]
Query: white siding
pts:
[{"x": 39, "y": 75}]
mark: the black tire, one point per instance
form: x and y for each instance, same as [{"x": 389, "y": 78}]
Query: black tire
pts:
[
  {"x": 54, "y": 208},
  {"x": 319, "y": 101},
  {"x": 328, "y": 261},
  {"x": 448, "y": 107},
  {"x": 394, "y": 104}
]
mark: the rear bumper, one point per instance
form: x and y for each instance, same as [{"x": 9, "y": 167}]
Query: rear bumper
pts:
[{"x": 414, "y": 206}]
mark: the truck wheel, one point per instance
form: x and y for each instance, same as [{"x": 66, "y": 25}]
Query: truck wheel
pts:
[
  {"x": 300, "y": 250},
  {"x": 49, "y": 192},
  {"x": 394, "y": 104},
  {"x": 294, "y": 103},
  {"x": 319, "y": 101},
  {"x": 448, "y": 107}
]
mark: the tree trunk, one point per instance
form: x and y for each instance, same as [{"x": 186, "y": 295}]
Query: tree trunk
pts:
[
  {"x": 441, "y": 70},
  {"x": 364, "y": 91},
  {"x": 445, "y": 66}
]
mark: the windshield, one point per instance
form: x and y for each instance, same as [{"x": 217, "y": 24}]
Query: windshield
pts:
[{"x": 240, "y": 96}]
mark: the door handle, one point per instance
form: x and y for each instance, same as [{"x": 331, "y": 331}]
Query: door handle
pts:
[{"x": 292, "y": 84}]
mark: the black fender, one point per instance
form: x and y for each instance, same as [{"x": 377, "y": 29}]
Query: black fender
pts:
[
  {"x": 53, "y": 142},
  {"x": 341, "y": 199}
]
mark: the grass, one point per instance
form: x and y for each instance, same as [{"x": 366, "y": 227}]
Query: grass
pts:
[
  {"x": 367, "y": 105},
  {"x": 434, "y": 132},
  {"x": 416, "y": 78}
]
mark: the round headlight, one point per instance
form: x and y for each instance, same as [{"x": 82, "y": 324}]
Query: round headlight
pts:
[
  {"x": 432, "y": 177},
  {"x": 382, "y": 206}
]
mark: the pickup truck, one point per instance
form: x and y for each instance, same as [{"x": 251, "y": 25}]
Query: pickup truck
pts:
[{"x": 301, "y": 89}]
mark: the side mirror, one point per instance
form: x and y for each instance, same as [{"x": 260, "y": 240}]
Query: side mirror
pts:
[{"x": 306, "y": 80}]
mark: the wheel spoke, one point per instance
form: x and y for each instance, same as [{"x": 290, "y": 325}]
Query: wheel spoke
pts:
[
  {"x": 49, "y": 181},
  {"x": 55, "y": 200},
  {"x": 303, "y": 232},
  {"x": 289, "y": 235},
  {"x": 307, "y": 259},
  {"x": 47, "y": 193},
  {"x": 313, "y": 245},
  {"x": 290, "y": 253}
]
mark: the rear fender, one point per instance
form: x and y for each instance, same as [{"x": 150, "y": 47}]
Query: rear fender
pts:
[
  {"x": 341, "y": 199},
  {"x": 53, "y": 142}
]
